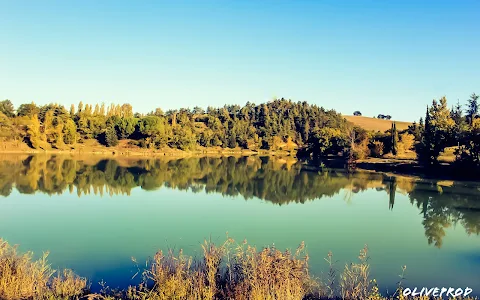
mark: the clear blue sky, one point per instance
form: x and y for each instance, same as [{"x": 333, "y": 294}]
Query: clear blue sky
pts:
[{"x": 390, "y": 57}]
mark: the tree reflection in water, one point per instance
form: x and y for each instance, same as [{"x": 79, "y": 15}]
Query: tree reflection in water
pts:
[{"x": 279, "y": 181}]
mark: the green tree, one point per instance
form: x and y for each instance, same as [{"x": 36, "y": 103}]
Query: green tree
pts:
[
  {"x": 468, "y": 155},
  {"x": 472, "y": 108},
  {"x": 437, "y": 134},
  {"x": 394, "y": 137},
  {"x": 111, "y": 138},
  {"x": 155, "y": 128},
  {"x": 34, "y": 135},
  {"x": 460, "y": 125},
  {"x": 5, "y": 126},
  {"x": 125, "y": 126},
  {"x": 6, "y": 107},
  {"x": 232, "y": 140},
  {"x": 183, "y": 138},
  {"x": 29, "y": 110},
  {"x": 70, "y": 132}
]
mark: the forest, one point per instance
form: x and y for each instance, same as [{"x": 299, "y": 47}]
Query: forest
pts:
[
  {"x": 265, "y": 126},
  {"x": 277, "y": 125}
]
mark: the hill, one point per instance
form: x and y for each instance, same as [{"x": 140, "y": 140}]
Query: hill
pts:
[{"x": 376, "y": 124}]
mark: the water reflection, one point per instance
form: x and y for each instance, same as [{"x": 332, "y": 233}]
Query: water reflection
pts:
[{"x": 279, "y": 181}]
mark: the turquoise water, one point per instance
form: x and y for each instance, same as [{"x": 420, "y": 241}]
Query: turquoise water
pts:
[{"x": 50, "y": 203}]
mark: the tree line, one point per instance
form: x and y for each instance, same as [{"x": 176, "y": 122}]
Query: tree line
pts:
[
  {"x": 277, "y": 124},
  {"x": 443, "y": 127},
  {"x": 456, "y": 128}
]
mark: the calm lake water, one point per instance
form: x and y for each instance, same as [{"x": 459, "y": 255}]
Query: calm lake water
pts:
[{"x": 94, "y": 215}]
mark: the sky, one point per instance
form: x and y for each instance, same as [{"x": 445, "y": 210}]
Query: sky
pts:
[{"x": 378, "y": 57}]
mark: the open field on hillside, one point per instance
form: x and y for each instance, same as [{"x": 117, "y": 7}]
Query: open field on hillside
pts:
[{"x": 376, "y": 124}]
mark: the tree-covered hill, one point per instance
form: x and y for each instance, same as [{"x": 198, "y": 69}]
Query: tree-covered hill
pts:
[{"x": 279, "y": 123}]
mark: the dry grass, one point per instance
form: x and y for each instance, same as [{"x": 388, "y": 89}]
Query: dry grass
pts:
[
  {"x": 447, "y": 156},
  {"x": 376, "y": 124},
  {"x": 227, "y": 271},
  {"x": 23, "y": 278}
]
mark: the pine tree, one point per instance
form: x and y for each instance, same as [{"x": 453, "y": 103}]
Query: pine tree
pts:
[
  {"x": 424, "y": 148},
  {"x": 438, "y": 131},
  {"x": 460, "y": 123},
  {"x": 472, "y": 110},
  {"x": 111, "y": 138}
]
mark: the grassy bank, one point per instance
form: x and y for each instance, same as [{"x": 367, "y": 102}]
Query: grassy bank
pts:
[
  {"x": 228, "y": 271},
  {"x": 125, "y": 148}
]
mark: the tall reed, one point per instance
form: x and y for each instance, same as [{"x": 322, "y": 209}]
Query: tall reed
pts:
[{"x": 227, "y": 271}]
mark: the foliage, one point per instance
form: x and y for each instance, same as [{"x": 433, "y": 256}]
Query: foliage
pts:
[
  {"x": 376, "y": 149},
  {"x": 6, "y": 108},
  {"x": 468, "y": 155},
  {"x": 111, "y": 137},
  {"x": 472, "y": 109},
  {"x": 437, "y": 133},
  {"x": 70, "y": 132},
  {"x": 5, "y": 125},
  {"x": 384, "y": 117},
  {"x": 28, "y": 109},
  {"x": 268, "y": 125},
  {"x": 35, "y": 136},
  {"x": 125, "y": 127},
  {"x": 406, "y": 142},
  {"x": 326, "y": 140},
  {"x": 276, "y": 125},
  {"x": 394, "y": 137}
]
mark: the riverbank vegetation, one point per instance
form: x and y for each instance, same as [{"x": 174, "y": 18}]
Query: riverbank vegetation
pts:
[
  {"x": 277, "y": 125},
  {"x": 452, "y": 132},
  {"x": 231, "y": 270}
]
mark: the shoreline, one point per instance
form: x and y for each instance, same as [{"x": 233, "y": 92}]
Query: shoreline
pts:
[
  {"x": 394, "y": 166},
  {"x": 411, "y": 168},
  {"x": 154, "y": 153}
]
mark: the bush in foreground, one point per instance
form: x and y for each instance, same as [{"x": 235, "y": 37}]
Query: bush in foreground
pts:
[{"x": 23, "y": 278}]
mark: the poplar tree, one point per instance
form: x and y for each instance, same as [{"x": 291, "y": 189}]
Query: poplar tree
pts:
[{"x": 394, "y": 135}]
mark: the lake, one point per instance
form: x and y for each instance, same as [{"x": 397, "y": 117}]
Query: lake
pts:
[{"x": 95, "y": 214}]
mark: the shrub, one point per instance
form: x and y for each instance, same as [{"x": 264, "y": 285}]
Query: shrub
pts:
[
  {"x": 406, "y": 142},
  {"x": 376, "y": 149},
  {"x": 361, "y": 150}
]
